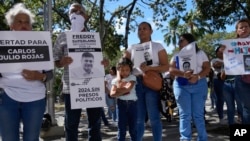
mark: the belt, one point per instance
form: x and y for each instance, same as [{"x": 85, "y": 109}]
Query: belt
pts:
[
  {"x": 126, "y": 100},
  {"x": 229, "y": 81}
]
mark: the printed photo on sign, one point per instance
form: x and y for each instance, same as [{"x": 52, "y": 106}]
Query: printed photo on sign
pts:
[
  {"x": 143, "y": 53},
  {"x": 236, "y": 56},
  {"x": 186, "y": 58},
  {"x": 246, "y": 59},
  {"x": 25, "y": 50},
  {"x": 87, "y": 93}
]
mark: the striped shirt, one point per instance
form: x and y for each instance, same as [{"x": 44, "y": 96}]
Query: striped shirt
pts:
[{"x": 60, "y": 49}]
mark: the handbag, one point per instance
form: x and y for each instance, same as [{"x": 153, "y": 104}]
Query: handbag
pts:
[{"x": 152, "y": 80}]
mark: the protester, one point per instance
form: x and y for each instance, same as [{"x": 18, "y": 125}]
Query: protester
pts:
[
  {"x": 216, "y": 65},
  {"x": 78, "y": 16},
  {"x": 230, "y": 94},
  {"x": 191, "y": 96},
  {"x": 22, "y": 94},
  {"x": 148, "y": 99},
  {"x": 242, "y": 82},
  {"x": 111, "y": 102},
  {"x": 124, "y": 91}
]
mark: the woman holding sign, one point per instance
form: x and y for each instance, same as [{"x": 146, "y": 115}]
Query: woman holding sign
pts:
[
  {"x": 190, "y": 90},
  {"x": 22, "y": 94},
  {"x": 148, "y": 99},
  {"x": 242, "y": 82}
]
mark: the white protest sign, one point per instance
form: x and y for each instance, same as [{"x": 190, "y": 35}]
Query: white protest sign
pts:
[
  {"x": 141, "y": 53},
  {"x": 236, "y": 56},
  {"x": 86, "y": 70},
  {"x": 30, "y": 50},
  {"x": 87, "y": 93},
  {"x": 186, "y": 58}
]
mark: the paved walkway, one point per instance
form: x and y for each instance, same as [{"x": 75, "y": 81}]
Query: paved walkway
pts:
[{"x": 216, "y": 132}]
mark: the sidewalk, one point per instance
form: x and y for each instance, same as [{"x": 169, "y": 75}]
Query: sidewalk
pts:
[{"x": 170, "y": 132}]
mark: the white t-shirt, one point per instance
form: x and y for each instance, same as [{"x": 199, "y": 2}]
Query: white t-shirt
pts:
[
  {"x": 156, "y": 48},
  {"x": 19, "y": 89},
  {"x": 108, "y": 78},
  {"x": 201, "y": 57},
  {"x": 216, "y": 70},
  {"x": 132, "y": 93}
]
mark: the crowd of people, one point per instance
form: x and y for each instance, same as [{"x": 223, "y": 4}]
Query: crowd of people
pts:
[{"x": 129, "y": 101}]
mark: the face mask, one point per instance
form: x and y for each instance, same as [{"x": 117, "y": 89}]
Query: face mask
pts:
[{"x": 77, "y": 22}]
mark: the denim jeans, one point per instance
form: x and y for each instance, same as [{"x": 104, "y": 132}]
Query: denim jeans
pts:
[
  {"x": 111, "y": 103},
  {"x": 148, "y": 103},
  {"x": 218, "y": 89},
  {"x": 72, "y": 119},
  {"x": 191, "y": 100},
  {"x": 231, "y": 96},
  {"x": 243, "y": 90},
  {"x": 13, "y": 112},
  {"x": 127, "y": 115}
]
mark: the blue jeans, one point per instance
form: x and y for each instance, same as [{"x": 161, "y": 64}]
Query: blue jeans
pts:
[
  {"x": 243, "y": 90},
  {"x": 111, "y": 103},
  {"x": 13, "y": 112},
  {"x": 191, "y": 100},
  {"x": 231, "y": 96},
  {"x": 72, "y": 119},
  {"x": 127, "y": 115},
  {"x": 218, "y": 89},
  {"x": 148, "y": 103}
]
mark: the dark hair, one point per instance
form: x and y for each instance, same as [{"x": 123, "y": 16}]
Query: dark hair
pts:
[
  {"x": 87, "y": 54},
  {"x": 190, "y": 38},
  {"x": 125, "y": 61},
  {"x": 217, "y": 47},
  {"x": 113, "y": 68},
  {"x": 149, "y": 25},
  {"x": 241, "y": 21}
]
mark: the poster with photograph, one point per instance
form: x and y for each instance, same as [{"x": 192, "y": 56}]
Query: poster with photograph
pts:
[
  {"x": 86, "y": 52},
  {"x": 186, "y": 58},
  {"x": 236, "y": 56},
  {"x": 143, "y": 53},
  {"x": 30, "y": 50}
]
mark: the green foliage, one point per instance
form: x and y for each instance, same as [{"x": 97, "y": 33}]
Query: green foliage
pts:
[
  {"x": 218, "y": 13},
  {"x": 207, "y": 43},
  {"x": 57, "y": 84}
]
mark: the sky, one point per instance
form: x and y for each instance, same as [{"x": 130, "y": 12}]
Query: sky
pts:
[{"x": 157, "y": 35}]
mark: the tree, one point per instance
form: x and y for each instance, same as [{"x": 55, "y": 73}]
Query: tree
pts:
[
  {"x": 219, "y": 13},
  {"x": 172, "y": 32}
]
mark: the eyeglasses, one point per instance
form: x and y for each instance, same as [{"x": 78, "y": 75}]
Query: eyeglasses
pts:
[{"x": 77, "y": 11}]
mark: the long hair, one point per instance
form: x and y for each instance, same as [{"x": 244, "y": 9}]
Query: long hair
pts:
[{"x": 190, "y": 38}]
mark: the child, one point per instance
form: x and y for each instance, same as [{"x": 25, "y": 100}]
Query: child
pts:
[{"x": 123, "y": 87}]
